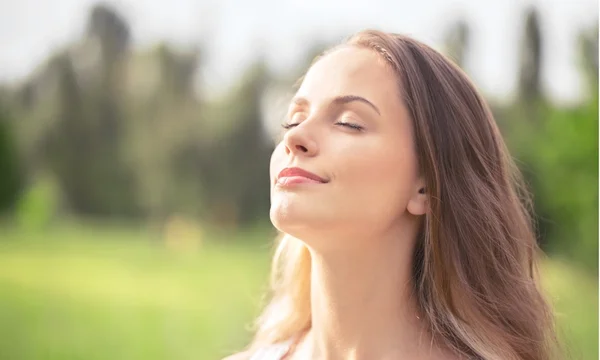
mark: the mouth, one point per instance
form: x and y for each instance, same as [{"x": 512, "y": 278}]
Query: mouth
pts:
[
  {"x": 292, "y": 180},
  {"x": 295, "y": 175}
]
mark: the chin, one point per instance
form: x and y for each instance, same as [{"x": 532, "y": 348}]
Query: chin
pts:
[
  {"x": 286, "y": 219},
  {"x": 303, "y": 225}
]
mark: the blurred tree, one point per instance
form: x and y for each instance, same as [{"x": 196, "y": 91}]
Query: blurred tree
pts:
[
  {"x": 457, "y": 42},
  {"x": 121, "y": 131},
  {"x": 126, "y": 134},
  {"x": 564, "y": 158},
  {"x": 166, "y": 132},
  {"x": 236, "y": 167},
  {"x": 558, "y": 152},
  {"x": 531, "y": 59},
  {"x": 10, "y": 180},
  {"x": 87, "y": 141},
  {"x": 178, "y": 71},
  {"x": 111, "y": 30},
  {"x": 252, "y": 148},
  {"x": 69, "y": 147},
  {"x": 588, "y": 57}
]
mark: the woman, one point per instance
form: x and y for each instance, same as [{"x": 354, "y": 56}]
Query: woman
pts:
[{"x": 405, "y": 227}]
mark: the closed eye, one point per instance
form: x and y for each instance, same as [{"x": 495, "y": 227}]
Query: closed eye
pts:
[
  {"x": 346, "y": 124},
  {"x": 288, "y": 126},
  {"x": 350, "y": 125}
]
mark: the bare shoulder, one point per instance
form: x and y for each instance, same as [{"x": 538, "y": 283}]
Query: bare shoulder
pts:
[{"x": 244, "y": 355}]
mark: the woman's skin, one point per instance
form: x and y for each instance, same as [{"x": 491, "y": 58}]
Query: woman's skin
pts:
[{"x": 360, "y": 226}]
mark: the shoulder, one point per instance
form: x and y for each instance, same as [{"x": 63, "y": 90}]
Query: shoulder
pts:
[
  {"x": 245, "y": 355},
  {"x": 267, "y": 352}
]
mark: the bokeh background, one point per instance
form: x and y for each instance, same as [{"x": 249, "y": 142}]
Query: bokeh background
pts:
[{"x": 134, "y": 146}]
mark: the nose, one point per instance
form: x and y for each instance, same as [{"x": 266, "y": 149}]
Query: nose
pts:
[{"x": 298, "y": 141}]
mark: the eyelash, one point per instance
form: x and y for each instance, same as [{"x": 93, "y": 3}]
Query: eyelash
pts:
[{"x": 346, "y": 124}]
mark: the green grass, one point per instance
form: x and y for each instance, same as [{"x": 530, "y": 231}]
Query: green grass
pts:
[
  {"x": 72, "y": 294},
  {"x": 574, "y": 294},
  {"x": 110, "y": 293}
]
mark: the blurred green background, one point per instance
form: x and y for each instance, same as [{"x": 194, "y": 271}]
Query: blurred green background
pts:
[{"x": 134, "y": 197}]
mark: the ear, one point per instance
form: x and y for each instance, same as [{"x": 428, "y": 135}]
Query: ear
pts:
[{"x": 418, "y": 203}]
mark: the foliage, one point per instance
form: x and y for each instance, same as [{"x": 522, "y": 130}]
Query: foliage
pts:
[
  {"x": 11, "y": 177},
  {"x": 560, "y": 157},
  {"x": 557, "y": 149},
  {"x": 39, "y": 205},
  {"x": 125, "y": 133}
]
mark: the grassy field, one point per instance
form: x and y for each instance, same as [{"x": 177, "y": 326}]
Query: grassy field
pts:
[{"x": 116, "y": 293}]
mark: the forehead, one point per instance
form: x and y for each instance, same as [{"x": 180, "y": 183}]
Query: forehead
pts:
[{"x": 352, "y": 71}]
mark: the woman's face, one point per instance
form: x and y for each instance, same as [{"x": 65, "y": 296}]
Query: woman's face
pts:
[{"x": 371, "y": 173}]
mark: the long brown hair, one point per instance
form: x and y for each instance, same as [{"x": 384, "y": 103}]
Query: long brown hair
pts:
[{"x": 474, "y": 266}]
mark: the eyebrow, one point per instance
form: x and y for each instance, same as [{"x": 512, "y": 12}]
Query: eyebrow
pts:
[{"x": 340, "y": 100}]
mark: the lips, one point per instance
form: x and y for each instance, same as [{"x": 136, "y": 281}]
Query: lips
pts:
[{"x": 296, "y": 171}]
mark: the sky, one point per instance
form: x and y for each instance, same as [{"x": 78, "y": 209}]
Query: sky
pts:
[{"x": 233, "y": 30}]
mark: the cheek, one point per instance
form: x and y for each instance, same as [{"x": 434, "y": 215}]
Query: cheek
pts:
[
  {"x": 381, "y": 179},
  {"x": 382, "y": 165}
]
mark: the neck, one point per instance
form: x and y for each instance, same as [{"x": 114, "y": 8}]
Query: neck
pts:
[{"x": 362, "y": 302}]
